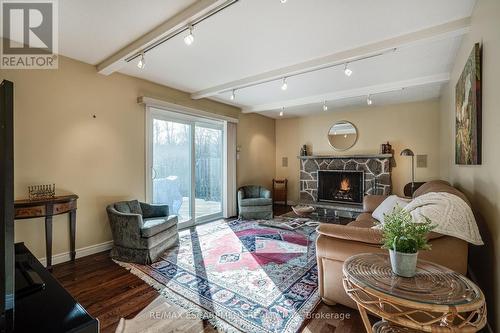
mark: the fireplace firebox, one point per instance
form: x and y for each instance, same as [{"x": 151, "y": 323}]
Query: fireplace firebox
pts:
[{"x": 343, "y": 186}]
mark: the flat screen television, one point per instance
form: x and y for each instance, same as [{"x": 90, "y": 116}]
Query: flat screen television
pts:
[{"x": 7, "y": 256}]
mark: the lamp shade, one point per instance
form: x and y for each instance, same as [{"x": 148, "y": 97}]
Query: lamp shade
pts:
[{"x": 407, "y": 152}]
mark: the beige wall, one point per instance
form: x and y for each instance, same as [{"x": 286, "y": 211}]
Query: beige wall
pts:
[
  {"x": 413, "y": 125},
  {"x": 256, "y": 141},
  {"x": 57, "y": 140},
  {"x": 480, "y": 183}
]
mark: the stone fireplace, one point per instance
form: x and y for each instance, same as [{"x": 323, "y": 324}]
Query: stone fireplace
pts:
[
  {"x": 375, "y": 171},
  {"x": 341, "y": 186}
]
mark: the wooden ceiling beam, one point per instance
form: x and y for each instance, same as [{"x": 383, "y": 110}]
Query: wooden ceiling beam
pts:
[
  {"x": 345, "y": 94},
  {"x": 117, "y": 60},
  {"x": 438, "y": 32}
]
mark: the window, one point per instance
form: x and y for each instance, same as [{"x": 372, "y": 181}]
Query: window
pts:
[{"x": 186, "y": 165}]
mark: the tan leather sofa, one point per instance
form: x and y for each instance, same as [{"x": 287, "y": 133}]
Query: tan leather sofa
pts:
[{"x": 336, "y": 243}]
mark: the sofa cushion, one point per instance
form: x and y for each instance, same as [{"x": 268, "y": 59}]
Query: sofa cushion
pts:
[
  {"x": 163, "y": 236},
  {"x": 388, "y": 205},
  {"x": 123, "y": 207},
  {"x": 440, "y": 186},
  {"x": 251, "y": 191},
  {"x": 153, "y": 210},
  {"x": 154, "y": 226},
  {"x": 364, "y": 220},
  {"x": 256, "y": 202},
  {"x": 129, "y": 207},
  {"x": 135, "y": 207}
]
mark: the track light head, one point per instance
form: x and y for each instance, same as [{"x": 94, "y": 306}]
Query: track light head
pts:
[
  {"x": 142, "y": 62},
  {"x": 282, "y": 112},
  {"x": 347, "y": 70},
  {"x": 189, "y": 39},
  {"x": 369, "y": 100},
  {"x": 325, "y": 107},
  {"x": 284, "y": 85},
  {"x": 283, "y": 1},
  {"x": 233, "y": 95}
]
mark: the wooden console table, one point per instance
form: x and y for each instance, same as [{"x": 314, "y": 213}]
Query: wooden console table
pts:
[{"x": 28, "y": 209}]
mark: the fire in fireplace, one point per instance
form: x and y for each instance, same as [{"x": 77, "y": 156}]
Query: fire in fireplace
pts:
[{"x": 340, "y": 186}]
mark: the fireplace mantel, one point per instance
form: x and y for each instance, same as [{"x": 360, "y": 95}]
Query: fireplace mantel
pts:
[
  {"x": 343, "y": 157},
  {"x": 376, "y": 168}
]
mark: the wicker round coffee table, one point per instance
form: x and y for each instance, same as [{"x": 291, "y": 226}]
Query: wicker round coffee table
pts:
[{"x": 435, "y": 300}]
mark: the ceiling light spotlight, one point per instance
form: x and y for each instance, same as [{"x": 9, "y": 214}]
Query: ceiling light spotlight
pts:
[
  {"x": 282, "y": 112},
  {"x": 142, "y": 62},
  {"x": 369, "y": 100},
  {"x": 347, "y": 71},
  {"x": 325, "y": 107},
  {"x": 284, "y": 86},
  {"x": 233, "y": 95},
  {"x": 189, "y": 39},
  {"x": 283, "y": 1}
]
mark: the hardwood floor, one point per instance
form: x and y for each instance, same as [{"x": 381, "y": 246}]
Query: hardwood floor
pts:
[
  {"x": 109, "y": 292},
  {"x": 281, "y": 209}
]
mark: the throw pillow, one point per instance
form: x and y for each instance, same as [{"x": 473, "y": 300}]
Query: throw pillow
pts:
[
  {"x": 388, "y": 205},
  {"x": 135, "y": 207}
]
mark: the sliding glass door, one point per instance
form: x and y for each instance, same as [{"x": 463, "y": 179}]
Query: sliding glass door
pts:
[
  {"x": 208, "y": 171},
  {"x": 171, "y": 176},
  {"x": 185, "y": 166}
]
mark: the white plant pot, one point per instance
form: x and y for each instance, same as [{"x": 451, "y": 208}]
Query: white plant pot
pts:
[{"x": 403, "y": 264}]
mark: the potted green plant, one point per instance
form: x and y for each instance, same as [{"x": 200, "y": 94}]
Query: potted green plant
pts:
[{"x": 404, "y": 237}]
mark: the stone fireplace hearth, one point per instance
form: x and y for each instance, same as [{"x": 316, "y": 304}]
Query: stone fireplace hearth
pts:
[{"x": 376, "y": 170}]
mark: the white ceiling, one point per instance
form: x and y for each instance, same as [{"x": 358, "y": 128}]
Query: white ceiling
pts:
[
  {"x": 255, "y": 36},
  {"x": 407, "y": 95}
]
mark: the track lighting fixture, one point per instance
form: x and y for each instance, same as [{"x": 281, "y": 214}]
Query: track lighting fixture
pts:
[
  {"x": 325, "y": 107},
  {"x": 189, "y": 39},
  {"x": 347, "y": 70},
  {"x": 233, "y": 95},
  {"x": 142, "y": 62},
  {"x": 284, "y": 86},
  {"x": 369, "y": 100}
]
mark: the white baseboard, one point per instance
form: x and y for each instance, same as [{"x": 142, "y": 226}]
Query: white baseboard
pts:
[{"x": 81, "y": 252}]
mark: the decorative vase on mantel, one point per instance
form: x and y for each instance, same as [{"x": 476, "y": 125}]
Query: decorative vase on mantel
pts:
[{"x": 303, "y": 150}]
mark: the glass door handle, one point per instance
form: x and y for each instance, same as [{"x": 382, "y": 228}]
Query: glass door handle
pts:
[{"x": 153, "y": 173}]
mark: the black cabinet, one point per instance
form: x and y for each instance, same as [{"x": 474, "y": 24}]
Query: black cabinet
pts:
[{"x": 42, "y": 304}]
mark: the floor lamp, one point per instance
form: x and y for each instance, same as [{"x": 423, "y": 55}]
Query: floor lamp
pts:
[{"x": 409, "y": 152}]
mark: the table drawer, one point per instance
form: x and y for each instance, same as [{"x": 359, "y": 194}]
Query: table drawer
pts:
[
  {"x": 61, "y": 208},
  {"x": 26, "y": 212}
]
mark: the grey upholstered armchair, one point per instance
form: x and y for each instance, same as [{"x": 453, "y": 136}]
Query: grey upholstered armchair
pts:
[
  {"x": 255, "y": 202},
  {"x": 141, "y": 232}
]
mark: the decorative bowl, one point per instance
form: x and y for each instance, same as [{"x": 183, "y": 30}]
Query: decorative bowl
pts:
[{"x": 303, "y": 210}]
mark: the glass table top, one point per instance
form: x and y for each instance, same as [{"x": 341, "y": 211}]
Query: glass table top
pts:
[{"x": 433, "y": 284}]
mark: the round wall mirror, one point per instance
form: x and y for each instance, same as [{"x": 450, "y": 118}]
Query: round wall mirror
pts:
[{"x": 342, "y": 135}]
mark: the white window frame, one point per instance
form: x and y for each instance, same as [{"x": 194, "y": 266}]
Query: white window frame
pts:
[{"x": 187, "y": 116}]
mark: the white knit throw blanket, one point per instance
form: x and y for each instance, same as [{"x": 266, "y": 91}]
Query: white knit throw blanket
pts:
[{"x": 451, "y": 215}]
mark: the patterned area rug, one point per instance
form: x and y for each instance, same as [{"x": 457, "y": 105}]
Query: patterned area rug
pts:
[{"x": 240, "y": 275}]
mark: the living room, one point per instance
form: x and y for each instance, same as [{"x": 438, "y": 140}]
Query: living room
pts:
[{"x": 176, "y": 109}]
